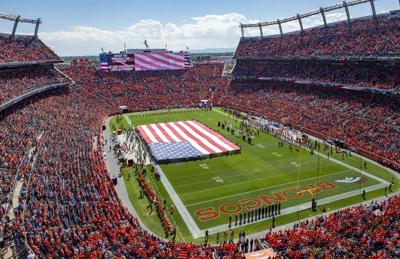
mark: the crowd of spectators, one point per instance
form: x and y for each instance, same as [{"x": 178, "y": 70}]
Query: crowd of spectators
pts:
[
  {"x": 24, "y": 49},
  {"x": 365, "y": 121},
  {"x": 365, "y": 231},
  {"x": 16, "y": 82},
  {"x": 68, "y": 206},
  {"x": 346, "y": 74},
  {"x": 148, "y": 191},
  {"x": 154, "y": 90},
  {"x": 363, "y": 37}
]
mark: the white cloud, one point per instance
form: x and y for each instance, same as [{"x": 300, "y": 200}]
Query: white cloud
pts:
[{"x": 209, "y": 31}]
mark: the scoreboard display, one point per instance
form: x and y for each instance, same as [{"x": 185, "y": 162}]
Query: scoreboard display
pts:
[
  {"x": 144, "y": 61},
  {"x": 117, "y": 62}
]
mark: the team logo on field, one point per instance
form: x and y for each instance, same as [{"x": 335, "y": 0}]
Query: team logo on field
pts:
[{"x": 349, "y": 180}]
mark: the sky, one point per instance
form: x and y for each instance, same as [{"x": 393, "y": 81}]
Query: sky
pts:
[{"x": 84, "y": 27}]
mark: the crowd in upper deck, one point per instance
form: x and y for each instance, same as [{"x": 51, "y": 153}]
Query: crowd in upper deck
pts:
[
  {"x": 375, "y": 76},
  {"x": 361, "y": 38},
  {"x": 24, "y": 49},
  {"x": 68, "y": 206},
  {"x": 16, "y": 82}
]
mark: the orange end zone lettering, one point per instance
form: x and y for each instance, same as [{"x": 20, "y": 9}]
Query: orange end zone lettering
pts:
[
  {"x": 227, "y": 208},
  {"x": 256, "y": 203},
  {"x": 276, "y": 198},
  {"x": 206, "y": 214},
  {"x": 327, "y": 186}
]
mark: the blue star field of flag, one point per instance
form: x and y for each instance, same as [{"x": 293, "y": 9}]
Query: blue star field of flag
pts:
[{"x": 174, "y": 151}]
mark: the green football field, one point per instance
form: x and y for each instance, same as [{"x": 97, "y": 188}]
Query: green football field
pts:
[{"x": 212, "y": 190}]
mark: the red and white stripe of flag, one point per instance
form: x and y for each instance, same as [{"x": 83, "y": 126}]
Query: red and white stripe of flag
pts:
[
  {"x": 202, "y": 138},
  {"x": 160, "y": 61}
]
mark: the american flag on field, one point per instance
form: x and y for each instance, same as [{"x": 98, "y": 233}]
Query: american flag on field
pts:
[
  {"x": 104, "y": 61},
  {"x": 183, "y": 139}
]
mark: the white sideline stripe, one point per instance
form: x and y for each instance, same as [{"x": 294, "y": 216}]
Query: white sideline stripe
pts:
[
  {"x": 261, "y": 189},
  {"x": 128, "y": 120},
  {"x": 185, "y": 214},
  {"x": 149, "y": 134},
  {"x": 159, "y": 133},
  {"x": 203, "y": 140},
  {"x": 301, "y": 207},
  {"x": 353, "y": 168},
  {"x": 211, "y": 136},
  {"x": 193, "y": 142},
  {"x": 169, "y": 132}
]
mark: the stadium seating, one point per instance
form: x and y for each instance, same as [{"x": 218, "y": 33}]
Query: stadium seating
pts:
[
  {"x": 72, "y": 208},
  {"x": 16, "y": 82},
  {"x": 24, "y": 49},
  {"x": 366, "y": 231},
  {"x": 374, "y": 76},
  {"x": 154, "y": 90},
  {"x": 365, "y": 121},
  {"x": 362, "y": 38},
  {"x": 68, "y": 206}
]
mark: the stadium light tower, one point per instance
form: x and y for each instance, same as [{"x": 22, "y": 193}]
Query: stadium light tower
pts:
[
  {"x": 300, "y": 22},
  {"x": 373, "y": 8},
  {"x": 15, "y": 26},
  {"x": 280, "y": 26},
  {"x": 261, "y": 30},
  {"x": 323, "y": 16},
  {"x": 18, "y": 19},
  {"x": 346, "y": 8},
  {"x": 38, "y": 22}
]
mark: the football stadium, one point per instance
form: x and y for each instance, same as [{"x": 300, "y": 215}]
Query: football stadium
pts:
[{"x": 288, "y": 146}]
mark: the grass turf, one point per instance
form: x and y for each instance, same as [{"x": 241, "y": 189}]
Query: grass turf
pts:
[{"x": 261, "y": 169}]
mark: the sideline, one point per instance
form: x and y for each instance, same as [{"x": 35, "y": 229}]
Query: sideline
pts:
[
  {"x": 187, "y": 218},
  {"x": 303, "y": 206},
  {"x": 193, "y": 227},
  {"x": 290, "y": 225},
  {"x": 113, "y": 170}
]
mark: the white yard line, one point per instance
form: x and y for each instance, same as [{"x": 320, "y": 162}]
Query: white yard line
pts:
[
  {"x": 261, "y": 234},
  {"x": 197, "y": 232},
  {"x": 223, "y": 113},
  {"x": 185, "y": 214},
  {"x": 128, "y": 120},
  {"x": 353, "y": 168},
  {"x": 301, "y": 207},
  {"x": 266, "y": 188},
  {"x": 113, "y": 170}
]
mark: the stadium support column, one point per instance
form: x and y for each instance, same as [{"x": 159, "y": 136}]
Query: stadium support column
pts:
[
  {"x": 261, "y": 30},
  {"x": 15, "y": 26},
  {"x": 242, "y": 30},
  {"x": 323, "y": 16},
  {"x": 38, "y": 21},
  {"x": 373, "y": 7},
  {"x": 280, "y": 26},
  {"x": 346, "y": 8},
  {"x": 300, "y": 22}
]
